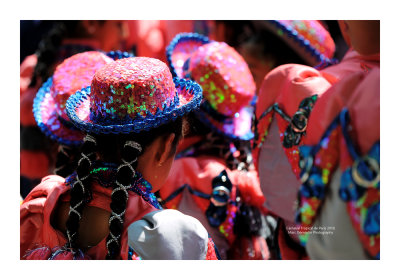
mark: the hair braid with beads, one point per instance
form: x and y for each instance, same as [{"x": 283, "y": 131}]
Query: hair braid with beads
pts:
[
  {"x": 119, "y": 196},
  {"x": 80, "y": 192},
  {"x": 123, "y": 150}
]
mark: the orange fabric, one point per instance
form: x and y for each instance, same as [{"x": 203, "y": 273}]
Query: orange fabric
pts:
[
  {"x": 328, "y": 107},
  {"x": 188, "y": 142},
  {"x": 359, "y": 93},
  {"x": 249, "y": 248},
  {"x": 211, "y": 254},
  {"x": 364, "y": 107},
  {"x": 288, "y": 85},
  {"x": 152, "y": 36},
  {"x": 26, "y": 107},
  {"x": 26, "y": 72},
  {"x": 199, "y": 172},
  {"x": 34, "y": 164},
  {"x": 174, "y": 27},
  {"x": 36, "y": 210},
  {"x": 352, "y": 62}
]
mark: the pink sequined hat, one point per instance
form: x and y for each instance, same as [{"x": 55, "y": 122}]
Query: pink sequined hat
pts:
[
  {"x": 228, "y": 86},
  {"x": 308, "y": 38},
  {"x": 131, "y": 95},
  {"x": 71, "y": 75}
]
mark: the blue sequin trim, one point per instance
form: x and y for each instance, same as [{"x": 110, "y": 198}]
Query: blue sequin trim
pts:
[
  {"x": 313, "y": 186},
  {"x": 119, "y": 54},
  {"x": 300, "y": 40},
  {"x": 183, "y": 37},
  {"x": 344, "y": 119},
  {"x": 326, "y": 63},
  {"x": 168, "y": 114},
  {"x": 67, "y": 123},
  {"x": 350, "y": 190},
  {"x": 37, "y": 113},
  {"x": 143, "y": 188},
  {"x": 180, "y": 190}
]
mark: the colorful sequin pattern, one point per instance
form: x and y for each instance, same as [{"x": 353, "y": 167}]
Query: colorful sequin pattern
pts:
[
  {"x": 130, "y": 87},
  {"x": 224, "y": 76},
  {"x": 317, "y": 166},
  {"x": 143, "y": 188},
  {"x": 313, "y": 32},
  {"x": 211, "y": 250},
  {"x": 226, "y": 228},
  {"x": 359, "y": 186},
  {"x": 292, "y": 153},
  {"x": 74, "y": 74},
  {"x": 132, "y": 256}
]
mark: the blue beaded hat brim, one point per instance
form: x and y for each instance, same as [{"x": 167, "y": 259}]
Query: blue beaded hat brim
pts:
[
  {"x": 50, "y": 123},
  {"x": 181, "y": 48},
  {"x": 298, "y": 44},
  {"x": 80, "y": 102}
]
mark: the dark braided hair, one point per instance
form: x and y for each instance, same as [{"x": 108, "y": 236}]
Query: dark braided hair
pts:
[
  {"x": 123, "y": 150},
  {"x": 119, "y": 196},
  {"x": 80, "y": 192}
]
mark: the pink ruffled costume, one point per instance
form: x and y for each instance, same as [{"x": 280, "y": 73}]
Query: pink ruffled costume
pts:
[{"x": 39, "y": 205}]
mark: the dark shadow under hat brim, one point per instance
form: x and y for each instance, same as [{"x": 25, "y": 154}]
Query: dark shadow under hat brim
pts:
[{"x": 236, "y": 128}]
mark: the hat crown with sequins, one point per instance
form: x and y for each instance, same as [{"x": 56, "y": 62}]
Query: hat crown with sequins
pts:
[
  {"x": 131, "y": 95},
  {"x": 226, "y": 80},
  {"x": 224, "y": 76},
  {"x": 74, "y": 73},
  {"x": 131, "y": 87}
]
